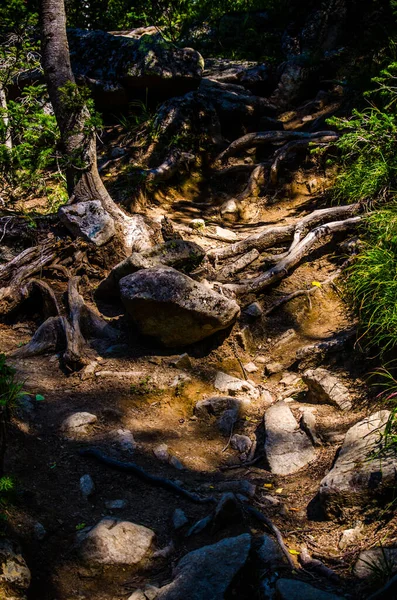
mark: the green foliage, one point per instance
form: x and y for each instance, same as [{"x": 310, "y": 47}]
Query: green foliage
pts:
[
  {"x": 10, "y": 387},
  {"x": 368, "y": 157},
  {"x": 367, "y": 145},
  {"x": 30, "y": 167},
  {"x": 372, "y": 280}
]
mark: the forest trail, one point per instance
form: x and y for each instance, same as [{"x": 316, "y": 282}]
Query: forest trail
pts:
[{"x": 135, "y": 387}]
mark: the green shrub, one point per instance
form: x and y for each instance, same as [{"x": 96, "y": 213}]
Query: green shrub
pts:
[
  {"x": 10, "y": 387},
  {"x": 368, "y": 157},
  {"x": 372, "y": 280}
]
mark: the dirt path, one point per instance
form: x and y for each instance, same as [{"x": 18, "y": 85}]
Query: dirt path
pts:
[{"x": 139, "y": 391}]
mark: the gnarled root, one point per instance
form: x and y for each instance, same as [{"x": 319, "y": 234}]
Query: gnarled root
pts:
[
  {"x": 49, "y": 337},
  {"x": 272, "y": 137},
  {"x": 281, "y": 269},
  {"x": 274, "y": 236},
  {"x": 175, "y": 162}
]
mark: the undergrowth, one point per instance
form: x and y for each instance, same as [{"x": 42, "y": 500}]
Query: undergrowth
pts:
[
  {"x": 369, "y": 175},
  {"x": 372, "y": 280}
]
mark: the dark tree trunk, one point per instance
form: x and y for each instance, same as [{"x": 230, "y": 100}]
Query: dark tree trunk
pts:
[{"x": 78, "y": 138}]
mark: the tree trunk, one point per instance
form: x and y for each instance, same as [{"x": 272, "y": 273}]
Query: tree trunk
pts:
[
  {"x": 78, "y": 137},
  {"x": 5, "y": 119}
]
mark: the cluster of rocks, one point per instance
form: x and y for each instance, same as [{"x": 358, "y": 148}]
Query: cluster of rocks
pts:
[{"x": 211, "y": 571}]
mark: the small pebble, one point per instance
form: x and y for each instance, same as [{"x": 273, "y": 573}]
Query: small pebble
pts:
[
  {"x": 87, "y": 485},
  {"x": 250, "y": 367},
  {"x": 179, "y": 519},
  {"x": 176, "y": 463},
  {"x": 161, "y": 452},
  {"x": 39, "y": 531}
]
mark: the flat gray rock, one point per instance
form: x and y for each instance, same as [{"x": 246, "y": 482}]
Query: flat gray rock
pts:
[
  {"x": 88, "y": 220},
  {"x": 173, "y": 308},
  {"x": 292, "y": 589},
  {"x": 357, "y": 474},
  {"x": 326, "y": 388},
  {"x": 115, "y": 542},
  {"x": 235, "y": 386},
  {"x": 207, "y": 573},
  {"x": 287, "y": 447}
]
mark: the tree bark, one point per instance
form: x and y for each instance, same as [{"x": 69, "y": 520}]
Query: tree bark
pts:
[
  {"x": 77, "y": 136},
  {"x": 5, "y": 119}
]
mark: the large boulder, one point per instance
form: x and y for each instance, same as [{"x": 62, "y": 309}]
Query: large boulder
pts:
[
  {"x": 287, "y": 447},
  {"x": 359, "y": 472},
  {"x": 171, "y": 307},
  {"x": 178, "y": 254},
  {"x": 119, "y": 68},
  {"x": 115, "y": 542},
  {"x": 207, "y": 573}
]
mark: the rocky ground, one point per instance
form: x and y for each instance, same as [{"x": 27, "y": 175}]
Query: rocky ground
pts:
[
  {"x": 254, "y": 420},
  {"x": 195, "y": 421}
]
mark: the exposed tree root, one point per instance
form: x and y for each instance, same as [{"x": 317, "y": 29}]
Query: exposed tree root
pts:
[
  {"x": 256, "y": 181},
  {"x": 133, "y": 469},
  {"x": 284, "y": 152},
  {"x": 274, "y": 236},
  {"x": 238, "y": 265},
  {"x": 49, "y": 302},
  {"x": 261, "y": 517},
  {"x": 272, "y": 137},
  {"x": 277, "y": 272},
  {"x": 49, "y": 337},
  {"x": 68, "y": 333},
  {"x": 316, "y": 565},
  {"x": 175, "y": 162},
  {"x": 309, "y": 292}
]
